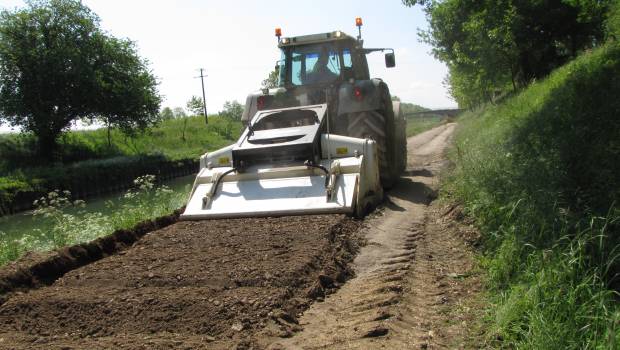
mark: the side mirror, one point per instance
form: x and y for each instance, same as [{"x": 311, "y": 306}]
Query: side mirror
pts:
[{"x": 390, "y": 60}]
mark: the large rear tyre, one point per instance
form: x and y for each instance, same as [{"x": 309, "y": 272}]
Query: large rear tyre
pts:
[{"x": 373, "y": 125}]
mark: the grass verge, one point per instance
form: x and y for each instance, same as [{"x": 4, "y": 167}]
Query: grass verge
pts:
[
  {"x": 144, "y": 201},
  {"x": 539, "y": 174}
]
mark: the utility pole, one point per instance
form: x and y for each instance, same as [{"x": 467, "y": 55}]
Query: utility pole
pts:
[{"x": 204, "y": 100}]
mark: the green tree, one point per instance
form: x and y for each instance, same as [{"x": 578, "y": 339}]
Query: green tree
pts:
[
  {"x": 272, "y": 79},
  {"x": 57, "y": 66},
  {"x": 493, "y": 47},
  {"x": 179, "y": 112},
  {"x": 613, "y": 22},
  {"x": 232, "y": 110},
  {"x": 166, "y": 114},
  {"x": 194, "y": 106}
]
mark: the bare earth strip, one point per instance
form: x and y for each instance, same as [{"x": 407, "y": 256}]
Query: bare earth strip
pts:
[
  {"x": 251, "y": 283},
  {"x": 210, "y": 284},
  {"x": 414, "y": 280}
]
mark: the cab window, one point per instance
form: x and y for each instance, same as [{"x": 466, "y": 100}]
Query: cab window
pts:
[
  {"x": 314, "y": 64},
  {"x": 347, "y": 62}
]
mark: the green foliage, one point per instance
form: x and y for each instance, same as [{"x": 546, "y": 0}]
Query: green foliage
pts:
[
  {"x": 143, "y": 202},
  {"x": 166, "y": 114},
  {"x": 195, "y": 106},
  {"x": 539, "y": 173},
  {"x": 53, "y": 207},
  {"x": 495, "y": 47},
  {"x": 89, "y": 145},
  {"x": 13, "y": 185},
  {"x": 613, "y": 22},
  {"x": 272, "y": 79},
  {"x": 408, "y": 108},
  {"x": 10, "y": 188},
  {"x": 88, "y": 165},
  {"x": 417, "y": 125},
  {"x": 179, "y": 112},
  {"x": 232, "y": 110},
  {"x": 57, "y": 65}
]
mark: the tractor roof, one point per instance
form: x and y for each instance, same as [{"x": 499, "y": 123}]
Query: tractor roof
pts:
[{"x": 315, "y": 38}]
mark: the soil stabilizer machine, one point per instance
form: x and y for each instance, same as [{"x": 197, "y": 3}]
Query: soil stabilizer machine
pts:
[{"x": 326, "y": 139}]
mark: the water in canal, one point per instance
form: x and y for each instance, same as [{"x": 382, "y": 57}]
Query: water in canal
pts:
[{"x": 18, "y": 225}]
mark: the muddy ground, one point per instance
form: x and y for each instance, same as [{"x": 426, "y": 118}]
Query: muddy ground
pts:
[
  {"x": 277, "y": 283},
  {"x": 192, "y": 284}
]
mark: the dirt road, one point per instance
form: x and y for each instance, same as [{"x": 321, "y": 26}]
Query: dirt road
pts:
[
  {"x": 410, "y": 289},
  {"x": 252, "y": 283}
]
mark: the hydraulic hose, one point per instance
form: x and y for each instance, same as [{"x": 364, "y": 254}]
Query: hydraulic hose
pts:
[
  {"x": 311, "y": 164},
  {"x": 206, "y": 200}
]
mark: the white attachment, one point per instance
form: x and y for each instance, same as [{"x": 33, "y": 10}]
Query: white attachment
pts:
[
  {"x": 271, "y": 192},
  {"x": 266, "y": 190}
]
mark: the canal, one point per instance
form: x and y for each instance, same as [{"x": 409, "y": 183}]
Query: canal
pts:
[{"x": 16, "y": 226}]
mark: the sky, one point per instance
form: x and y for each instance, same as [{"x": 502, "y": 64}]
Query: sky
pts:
[{"x": 234, "y": 42}]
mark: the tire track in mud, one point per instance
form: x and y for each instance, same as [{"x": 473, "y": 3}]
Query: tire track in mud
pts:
[{"x": 408, "y": 285}]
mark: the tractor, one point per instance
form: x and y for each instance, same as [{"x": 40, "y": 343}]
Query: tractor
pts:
[{"x": 326, "y": 139}]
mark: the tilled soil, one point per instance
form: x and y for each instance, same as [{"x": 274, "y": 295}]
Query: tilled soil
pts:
[{"x": 209, "y": 284}]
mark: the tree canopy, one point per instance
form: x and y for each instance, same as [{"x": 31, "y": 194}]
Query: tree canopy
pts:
[
  {"x": 492, "y": 47},
  {"x": 179, "y": 112},
  {"x": 232, "y": 110},
  {"x": 57, "y": 66},
  {"x": 195, "y": 106},
  {"x": 166, "y": 113},
  {"x": 272, "y": 80}
]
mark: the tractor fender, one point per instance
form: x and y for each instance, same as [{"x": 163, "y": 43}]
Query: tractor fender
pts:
[{"x": 361, "y": 95}]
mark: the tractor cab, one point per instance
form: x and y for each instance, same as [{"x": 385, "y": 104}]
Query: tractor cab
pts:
[
  {"x": 320, "y": 59},
  {"x": 328, "y": 68}
]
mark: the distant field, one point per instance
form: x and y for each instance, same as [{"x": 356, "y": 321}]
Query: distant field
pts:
[
  {"x": 167, "y": 139},
  {"x": 416, "y": 125}
]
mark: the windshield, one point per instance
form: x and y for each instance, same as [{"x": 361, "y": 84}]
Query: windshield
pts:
[{"x": 313, "y": 64}]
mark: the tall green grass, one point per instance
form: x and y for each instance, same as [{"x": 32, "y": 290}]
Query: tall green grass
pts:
[
  {"x": 540, "y": 174},
  {"x": 69, "y": 225}
]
